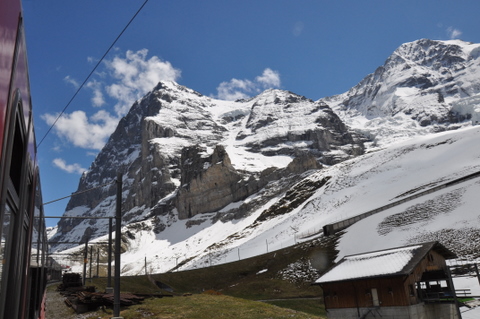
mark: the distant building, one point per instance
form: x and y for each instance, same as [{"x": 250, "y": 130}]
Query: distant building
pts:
[{"x": 405, "y": 282}]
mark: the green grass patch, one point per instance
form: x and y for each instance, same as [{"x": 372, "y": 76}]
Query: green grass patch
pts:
[{"x": 205, "y": 306}]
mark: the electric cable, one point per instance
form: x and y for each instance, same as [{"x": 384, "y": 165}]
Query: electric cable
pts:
[
  {"x": 77, "y": 193},
  {"x": 89, "y": 75}
]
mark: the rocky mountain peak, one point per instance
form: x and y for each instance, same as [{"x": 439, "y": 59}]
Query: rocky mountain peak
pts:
[
  {"x": 186, "y": 154},
  {"x": 433, "y": 54},
  {"x": 426, "y": 83}
]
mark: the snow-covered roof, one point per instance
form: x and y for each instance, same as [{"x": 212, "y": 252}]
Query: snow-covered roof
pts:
[{"x": 391, "y": 262}]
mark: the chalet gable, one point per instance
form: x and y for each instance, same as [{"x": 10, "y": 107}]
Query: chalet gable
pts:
[{"x": 399, "y": 261}]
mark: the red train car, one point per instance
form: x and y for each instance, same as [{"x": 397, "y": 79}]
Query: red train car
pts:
[{"x": 22, "y": 273}]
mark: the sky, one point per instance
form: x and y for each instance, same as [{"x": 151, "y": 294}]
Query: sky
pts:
[{"x": 223, "y": 49}]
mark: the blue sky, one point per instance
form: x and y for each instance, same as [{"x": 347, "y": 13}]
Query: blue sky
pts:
[{"x": 224, "y": 49}]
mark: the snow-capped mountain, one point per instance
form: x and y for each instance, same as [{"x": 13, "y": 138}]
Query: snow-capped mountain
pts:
[
  {"x": 424, "y": 87},
  {"x": 209, "y": 181},
  {"x": 185, "y": 154}
]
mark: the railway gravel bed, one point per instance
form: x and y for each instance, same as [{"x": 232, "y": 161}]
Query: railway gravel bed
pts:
[{"x": 57, "y": 309}]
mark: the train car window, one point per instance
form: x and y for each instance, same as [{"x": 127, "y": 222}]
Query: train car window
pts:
[
  {"x": 14, "y": 224},
  {"x": 7, "y": 225},
  {"x": 17, "y": 158}
]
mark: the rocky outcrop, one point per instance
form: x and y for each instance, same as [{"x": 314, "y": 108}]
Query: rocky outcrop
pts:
[{"x": 209, "y": 184}]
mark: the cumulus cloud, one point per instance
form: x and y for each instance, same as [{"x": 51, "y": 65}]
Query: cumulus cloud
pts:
[
  {"x": 240, "y": 89},
  {"x": 70, "y": 168},
  {"x": 235, "y": 89},
  {"x": 269, "y": 78},
  {"x": 124, "y": 80},
  {"x": 453, "y": 33},
  {"x": 83, "y": 131},
  {"x": 97, "y": 98},
  {"x": 135, "y": 75}
]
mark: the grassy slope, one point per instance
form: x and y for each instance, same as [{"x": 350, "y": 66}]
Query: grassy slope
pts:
[
  {"x": 236, "y": 286},
  {"x": 204, "y": 306}
]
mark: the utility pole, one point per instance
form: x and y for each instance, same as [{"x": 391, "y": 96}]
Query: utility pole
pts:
[
  {"x": 109, "y": 288},
  {"x": 98, "y": 262},
  {"x": 118, "y": 240},
  {"x": 85, "y": 260},
  {"x": 91, "y": 258}
]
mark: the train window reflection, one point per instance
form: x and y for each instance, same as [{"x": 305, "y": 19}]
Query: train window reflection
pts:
[{"x": 4, "y": 242}]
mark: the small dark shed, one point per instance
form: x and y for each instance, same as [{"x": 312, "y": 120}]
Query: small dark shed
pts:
[{"x": 404, "y": 282}]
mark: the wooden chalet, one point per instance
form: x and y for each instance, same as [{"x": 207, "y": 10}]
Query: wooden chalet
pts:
[{"x": 404, "y": 282}]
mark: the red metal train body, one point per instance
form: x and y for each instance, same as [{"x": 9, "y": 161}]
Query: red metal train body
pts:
[{"x": 23, "y": 242}]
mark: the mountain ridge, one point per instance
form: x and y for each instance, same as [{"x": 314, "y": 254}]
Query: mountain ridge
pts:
[
  {"x": 424, "y": 86},
  {"x": 181, "y": 136},
  {"x": 207, "y": 177}
]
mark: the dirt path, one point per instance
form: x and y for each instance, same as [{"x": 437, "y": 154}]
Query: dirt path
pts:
[{"x": 57, "y": 309}]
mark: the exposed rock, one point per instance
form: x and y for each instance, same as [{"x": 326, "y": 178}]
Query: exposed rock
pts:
[
  {"x": 169, "y": 151},
  {"x": 207, "y": 184}
]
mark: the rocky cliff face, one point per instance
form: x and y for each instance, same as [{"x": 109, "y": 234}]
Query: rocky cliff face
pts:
[{"x": 183, "y": 154}]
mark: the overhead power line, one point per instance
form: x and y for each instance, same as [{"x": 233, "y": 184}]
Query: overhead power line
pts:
[
  {"x": 90, "y": 74},
  {"x": 77, "y": 193}
]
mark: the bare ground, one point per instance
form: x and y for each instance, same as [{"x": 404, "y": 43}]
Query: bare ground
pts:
[{"x": 57, "y": 309}]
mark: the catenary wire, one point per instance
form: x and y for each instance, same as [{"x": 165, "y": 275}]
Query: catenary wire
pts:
[
  {"x": 90, "y": 74},
  {"x": 77, "y": 193}
]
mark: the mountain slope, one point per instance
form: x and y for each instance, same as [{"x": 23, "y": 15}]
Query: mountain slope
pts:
[
  {"x": 424, "y": 87},
  {"x": 352, "y": 187}
]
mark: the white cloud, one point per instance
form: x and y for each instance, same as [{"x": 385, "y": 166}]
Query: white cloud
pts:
[
  {"x": 453, "y": 33},
  {"x": 124, "y": 80},
  {"x": 240, "y": 89},
  {"x": 269, "y": 78},
  {"x": 136, "y": 76},
  {"x": 235, "y": 89},
  {"x": 81, "y": 131},
  {"x": 97, "y": 98},
  {"x": 68, "y": 79},
  {"x": 70, "y": 168}
]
